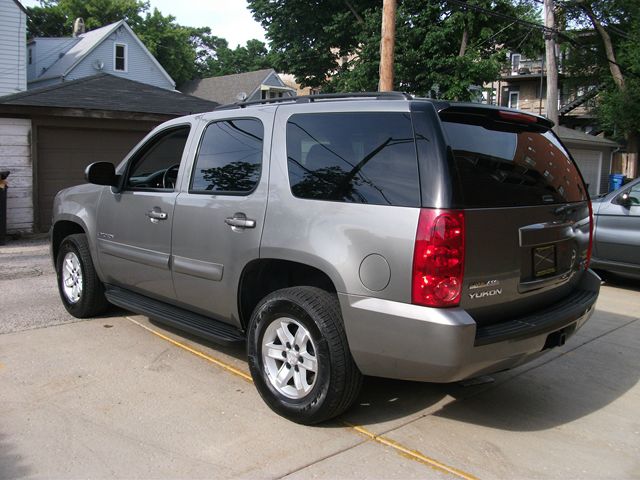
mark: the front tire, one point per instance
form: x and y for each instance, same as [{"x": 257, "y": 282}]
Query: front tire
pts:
[
  {"x": 299, "y": 356},
  {"x": 81, "y": 290}
]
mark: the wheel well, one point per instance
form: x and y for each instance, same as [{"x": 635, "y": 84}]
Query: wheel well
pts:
[
  {"x": 61, "y": 230},
  {"x": 261, "y": 277}
]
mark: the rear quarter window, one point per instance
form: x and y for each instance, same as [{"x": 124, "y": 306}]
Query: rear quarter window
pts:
[
  {"x": 496, "y": 166},
  {"x": 365, "y": 157}
]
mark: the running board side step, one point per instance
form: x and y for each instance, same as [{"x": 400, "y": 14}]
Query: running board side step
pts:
[{"x": 199, "y": 325}]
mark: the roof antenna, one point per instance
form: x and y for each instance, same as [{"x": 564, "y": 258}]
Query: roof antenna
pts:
[{"x": 78, "y": 27}]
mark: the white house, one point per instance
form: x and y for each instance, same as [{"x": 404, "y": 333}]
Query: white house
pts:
[
  {"x": 15, "y": 132},
  {"x": 114, "y": 49},
  {"x": 13, "y": 34}
]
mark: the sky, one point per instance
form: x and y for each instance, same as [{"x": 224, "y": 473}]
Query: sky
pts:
[{"x": 229, "y": 19}]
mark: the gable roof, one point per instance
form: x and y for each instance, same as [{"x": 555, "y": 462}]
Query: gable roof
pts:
[
  {"x": 88, "y": 42},
  {"x": 226, "y": 88},
  {"x": 110, "y": 93},
  {"x": 20, "y": 6},
  {"x": 576, "y": 137}
]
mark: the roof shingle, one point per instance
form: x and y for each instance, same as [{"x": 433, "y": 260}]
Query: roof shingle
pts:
[
  {"x": 225, "y": 89},
  {"x": 111, "y": 93}
]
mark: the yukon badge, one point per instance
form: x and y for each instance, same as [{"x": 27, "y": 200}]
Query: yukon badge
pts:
[{"x": 486, "y": 293}]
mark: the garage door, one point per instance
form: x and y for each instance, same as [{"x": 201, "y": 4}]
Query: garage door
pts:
[
  {"x": 64, "y": 153},
  {"x": 590, "y": 164}
]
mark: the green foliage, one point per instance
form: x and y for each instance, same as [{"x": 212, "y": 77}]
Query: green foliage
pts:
[
  {"x": 171, "y": 44},
  {"x": 222, "y": 60},
  {"x": 618, "y": 111},
  {"x": 429, "y": 33},
  {"x": 55, "y": 18}
]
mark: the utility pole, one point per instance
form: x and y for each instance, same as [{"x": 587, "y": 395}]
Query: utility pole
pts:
[
  {"x": 550, "y": 57},
  {"x": 387, "y": 44}
]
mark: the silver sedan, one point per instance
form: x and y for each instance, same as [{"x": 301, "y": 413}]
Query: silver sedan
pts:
[{"x": 616, "y": 246}]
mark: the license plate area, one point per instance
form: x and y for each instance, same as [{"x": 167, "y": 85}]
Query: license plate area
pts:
[{"x": 544, "y": 261}]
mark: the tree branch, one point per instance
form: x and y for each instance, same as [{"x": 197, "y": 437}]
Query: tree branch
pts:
[{"x": 353, "y": 10}]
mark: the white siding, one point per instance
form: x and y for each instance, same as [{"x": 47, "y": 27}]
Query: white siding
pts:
[
  {"x": 15, "y": 156},
  {"x": 13, "y": 38},
  {"x": 140, "y": 67}
]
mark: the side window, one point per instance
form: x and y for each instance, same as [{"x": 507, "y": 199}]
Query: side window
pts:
[
  {"x": 634, "y": 195},
  {"x": 120, "y": 57},
  {"x": 229, "y": 159},
  {"x": 367, "y": 157},
  {"x": 156, "y": 165}
]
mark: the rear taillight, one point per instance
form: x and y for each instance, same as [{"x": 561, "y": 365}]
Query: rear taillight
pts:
[
  {"x": 590, "y": 249},
  {"x": 438, "y": 258}
]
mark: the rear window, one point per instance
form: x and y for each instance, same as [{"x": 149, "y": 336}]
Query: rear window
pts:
[
  {"x": 496, "y": 166},
  {"x": 366, "y": 157}
]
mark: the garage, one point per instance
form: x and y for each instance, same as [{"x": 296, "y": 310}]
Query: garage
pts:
[
  {"x": 592, "y": 154},
  {"x": 63, "y": 153},
  {"x": 70, "y": 125},
  {"x": 590, "y": 164}
]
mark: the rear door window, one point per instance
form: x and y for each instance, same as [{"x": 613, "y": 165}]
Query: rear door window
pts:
[
  {"x": 365, "y": 157},
  {"x": 229, "y": 160},
  {"x": 496, "y": 166}
]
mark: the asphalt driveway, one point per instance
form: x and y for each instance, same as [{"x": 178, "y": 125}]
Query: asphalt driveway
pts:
[{"x": 122, "y": 397}]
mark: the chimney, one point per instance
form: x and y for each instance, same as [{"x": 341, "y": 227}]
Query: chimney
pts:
[{"x": 78, "y": 27}]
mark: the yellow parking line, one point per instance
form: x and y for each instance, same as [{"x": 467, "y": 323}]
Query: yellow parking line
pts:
[
  {"x": 412, "y": 454},
  {"x": 401, "y": 449},
  {"x": 209, "y": 358}
]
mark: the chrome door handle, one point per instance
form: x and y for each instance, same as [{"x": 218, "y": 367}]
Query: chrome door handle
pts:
[
  {"x": 156, "y": 215},
  {"x": 239, "y": 220}
]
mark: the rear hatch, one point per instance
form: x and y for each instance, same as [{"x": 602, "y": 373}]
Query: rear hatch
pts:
[{"x": 526, "y": 207}]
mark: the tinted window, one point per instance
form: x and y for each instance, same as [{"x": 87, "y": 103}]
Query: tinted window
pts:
[
  {"x": 510, "y": 166},
  {"x": 353, "y": 157},
  {"x": 156, "y": 166},
  {"x": 230, "y": 157}
]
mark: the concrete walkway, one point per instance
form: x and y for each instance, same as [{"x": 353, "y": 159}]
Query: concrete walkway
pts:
[{"x": 122, "y": 397}]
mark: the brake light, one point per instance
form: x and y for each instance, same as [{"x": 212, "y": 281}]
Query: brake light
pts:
[
  {"x": 590, "y": 249},
  {"x": 438, "y": 258},
  {"x": 517, "y": 117}
]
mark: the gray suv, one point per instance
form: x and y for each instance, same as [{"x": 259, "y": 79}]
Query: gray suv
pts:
[{"x": 340, "y": 236}]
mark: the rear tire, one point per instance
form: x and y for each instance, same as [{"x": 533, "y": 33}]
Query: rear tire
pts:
[
  {"x": 81, "y": 290},
  {"x": 299, "y": 356}
]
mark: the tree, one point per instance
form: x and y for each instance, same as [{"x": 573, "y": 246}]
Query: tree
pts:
[
  {"x": 54, "y": 18},
  {"x": 309, "y": 39},
  {"x": 442, "y": 48},
  {"x": 171, "y": 44},
  {"x": 610, "y": 59},
  {"x": 219, "y": 59}
]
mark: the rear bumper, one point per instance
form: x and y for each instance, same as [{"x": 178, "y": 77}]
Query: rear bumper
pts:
[{"x": 398, "y": 340}]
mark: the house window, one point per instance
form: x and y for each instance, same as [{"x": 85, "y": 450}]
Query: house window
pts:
[
  {"x": 30, "y": 56},
  {"x": 515, "y": 63},
  {"x": 514, "y": 99},
  {"x": 120, "y": 57}
]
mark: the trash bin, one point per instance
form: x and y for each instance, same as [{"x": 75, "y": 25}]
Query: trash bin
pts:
[
  {"x": 3, "y": 205},
  {"x": 615, "y": 181}
]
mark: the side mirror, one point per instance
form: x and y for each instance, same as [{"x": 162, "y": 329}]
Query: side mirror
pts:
[
  {"x": 102, "y": 173},
  {"x": 627, "y": 200}
]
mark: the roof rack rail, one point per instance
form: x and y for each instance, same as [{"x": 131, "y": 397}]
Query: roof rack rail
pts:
[{"x": 321, "y": 96}]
